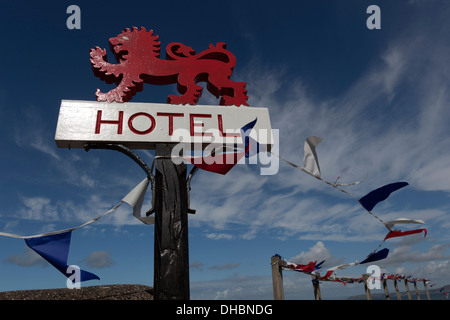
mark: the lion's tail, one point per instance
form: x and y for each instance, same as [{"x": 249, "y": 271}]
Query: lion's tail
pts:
[{"x": 176, "y": 51}]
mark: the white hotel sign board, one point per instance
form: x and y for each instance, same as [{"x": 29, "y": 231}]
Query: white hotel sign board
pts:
[{"x": 142, "y": 125}]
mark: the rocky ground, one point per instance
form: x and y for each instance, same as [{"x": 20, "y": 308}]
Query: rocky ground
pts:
[{"x": 107, "y": 292}]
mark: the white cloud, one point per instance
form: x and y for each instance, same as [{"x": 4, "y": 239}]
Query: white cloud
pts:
[
  {"x": 39, "y": 137},
  {"x": 32, "y": 133},
  {"x": 66, "y": 214},
  {"x": 196, "y": 265},
  {"x": 226, "y": 266},
  {"x": 26, "y": 259},
  {"x": 219, "y": 236},
  {"x": 405, "y": 253},
  {"x": 316, "y": 252},
  {"x": 434, "y": 270},
  {"x": 38, "y": 208},
  {"x": 99, "y": 259}
]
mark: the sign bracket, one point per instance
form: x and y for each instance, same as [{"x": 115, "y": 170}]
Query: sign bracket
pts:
[
  {"x": 134, "y": 157},
  {"x": 149, "y": 171}
]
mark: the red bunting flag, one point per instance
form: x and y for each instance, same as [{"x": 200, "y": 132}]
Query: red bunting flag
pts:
[
  {"x": 222, "y": 162},
  {"x": 329, "y": 273},
  {"x": 398, "y": 233},
  {"x": 311, "y": 266}
]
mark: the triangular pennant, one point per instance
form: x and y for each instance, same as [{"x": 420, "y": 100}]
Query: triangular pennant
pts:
[
  {"x": 398, "y": 233},
  {"x": 55, "y": 249},
  {"x": 319, "y": 265},
  {"x": 310, "y": 159},
  {"x": 218, "y": 163},
  {"x": 252, "y": 146},
  {"x": 223, "y": 162},
  {"x": 135, "y": 198},
  {"x": 376, "y": 256},
  {"x": 390, "y": 224},
  {"x": 370, "y": 200}
]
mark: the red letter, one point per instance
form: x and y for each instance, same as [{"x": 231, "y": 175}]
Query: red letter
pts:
[
  {"x": 133, "y": 129},
  {"x": 220, "y": 124},
  {"x": 193, "y": 125},
  {"x": 100, "y": 121},
  {"x": 170, "y": 115}
]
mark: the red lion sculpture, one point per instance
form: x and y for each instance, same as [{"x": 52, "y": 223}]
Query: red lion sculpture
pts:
[{"x": 137, "y": 52}]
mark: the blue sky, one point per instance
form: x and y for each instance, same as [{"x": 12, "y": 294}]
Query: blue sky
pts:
[{"x": 378, "y": 98}]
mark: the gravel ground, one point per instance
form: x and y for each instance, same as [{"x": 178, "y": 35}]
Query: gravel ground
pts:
[{"x": 108, "y": 292}]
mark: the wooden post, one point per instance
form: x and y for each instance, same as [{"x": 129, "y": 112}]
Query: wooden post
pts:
[
  {"x": 417, "y": 291},
  {"x": 399, "y": 297},
  {"x": 426, "y": 289},
  {"x": 171, "y": 255},
  {"x": 366, "y": 287},
  {"x": 277, "y": 278},
  {"x": 407, "y": 289},
  {"x": 386, "y": 290},
  {"x": 316, "y": 286}
]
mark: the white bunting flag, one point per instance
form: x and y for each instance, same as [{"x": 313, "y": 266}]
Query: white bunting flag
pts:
[
  {"x": 135, "y": 198},
  {"x": 390, "y": 224},
  {"x": 310, "y": 160}
]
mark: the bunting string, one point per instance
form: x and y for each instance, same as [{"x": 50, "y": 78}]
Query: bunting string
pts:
[
  {"x": 368, "y": 202},
  {"x": 334, "y": 185},
  {"x": 134, "y": 198},
  {"x": 54, "y": 246},
  {"x": 11, "y": 235},
  {"x": 312, "y": 267},
  {"x": 310, "y": 166}
]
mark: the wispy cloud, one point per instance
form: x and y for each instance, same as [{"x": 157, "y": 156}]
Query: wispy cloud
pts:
[
  {"x": 406, "y": 253},
  {"x": 39, "y": 137},
  {"x": 33, "y": 133},
  {"x": 433, "y": 270},
  {"x": 226, "y": 266},
  {"x": 390, "y": 124},
  {"x": 53, "y": 215},
  {"x": 99, "y": 259},
  {"x": 26, "y": 259},
  {"x": 219, "y": 236}
]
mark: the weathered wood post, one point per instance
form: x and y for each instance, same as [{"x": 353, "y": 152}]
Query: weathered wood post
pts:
[
  {"x": 425, "y": 284},
  {"x": 386, "y": 290},
  {"x": 399, "y": 297},
  {"x": 417, "y": 291},
  {"x": 316, "y": 286},
  {"x": 366, "y": 287},
  {"x": 277, "y": 278},
  {"x": 407, "y": 289},
  {"x": 171, "y": 254}
]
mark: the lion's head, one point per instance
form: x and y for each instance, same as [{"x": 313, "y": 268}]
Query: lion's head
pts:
[{"x": 135, "y": 44}]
